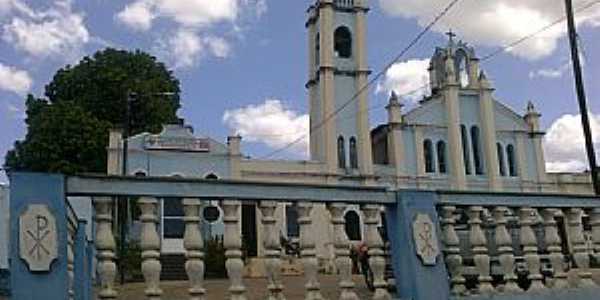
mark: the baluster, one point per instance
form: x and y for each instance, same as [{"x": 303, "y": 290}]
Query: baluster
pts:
[
  {"x": 553, "y": 246},
  {"x": 454, "y": 260},
  {"x": 580, "y": 253},
  {"x": 194, "y": 246},
  {"x": 105, "y": 247},
  {"x": 343, "y": 262},
  {"x": 233, "y": 244},
  {"x": 527, "y": 218},
  {"x": 71, "y": 262},
  {"x": 376, "y": 253},
  {"x": 505, "y": 250},
  {"x": 150, "y": 244},
  {"x": 595, "y": 223},
  {"x": 480, "y": 251},
  {"x": 308, "y": 252},
  {"x": 272, "y": 250}
]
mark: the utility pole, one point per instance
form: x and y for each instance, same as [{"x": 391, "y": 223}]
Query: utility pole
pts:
[{"x": 585, "y": 121}]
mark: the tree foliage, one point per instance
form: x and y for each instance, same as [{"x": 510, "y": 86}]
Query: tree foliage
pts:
[{"x": 67, "y": 131}]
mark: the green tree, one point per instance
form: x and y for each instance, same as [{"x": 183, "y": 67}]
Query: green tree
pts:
[{"x": 67, "y": 131}]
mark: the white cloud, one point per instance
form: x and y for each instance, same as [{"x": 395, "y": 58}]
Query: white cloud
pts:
[
  {"x": 55, "y": 32},
  {"x": 270, "y": 123},
  {"x": 546, "y": 73},
  {"x": 218, "y": 46},
  {"x": 564, "y": 143},
  {"x": 181, "y": 50},
  {"x": 188, "y": 13},
  {"x": 497, "y": 23},
  {"x": 185, "y": 48},
  {"x": 14, "y": 80},
  {"x": 138, "y": 15},
  {"x": 407, "y": 79}
]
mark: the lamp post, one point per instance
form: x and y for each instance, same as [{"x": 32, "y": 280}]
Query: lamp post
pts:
[{"x": 123, "y": 204}]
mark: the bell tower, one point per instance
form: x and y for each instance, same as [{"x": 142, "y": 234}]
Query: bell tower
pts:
[{"x": 338, "y": 69}]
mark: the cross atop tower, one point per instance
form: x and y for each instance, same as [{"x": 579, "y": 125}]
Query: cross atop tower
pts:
[{"x": 451, "y": 35}]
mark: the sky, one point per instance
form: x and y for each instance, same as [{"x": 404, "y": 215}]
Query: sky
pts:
[{"x": 243, "y": 63}]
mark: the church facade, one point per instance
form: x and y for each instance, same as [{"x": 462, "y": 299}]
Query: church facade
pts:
[{"x": 460, "y": 137}]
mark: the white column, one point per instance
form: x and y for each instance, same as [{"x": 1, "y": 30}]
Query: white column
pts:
[
  {"x": 105, "y": 247},
  {"x": 419, "y": 151},
  {"x": 232, "y": 242},
  {"x": 580, "y": 253},
  {"x": 272, "y": 250},
  {"x": 452, "y": 251},
  {"x": 505, "y": 250},
  {"x": 150, "y": 244},
  {"x": 365, "y": 156},
  {"x": 376, "y": 253},
  {"x": 488, "y": 130},
  {"x": 527, "y": 218},
  {"x": 553, "y": 246},
  {"x": 194, "y": 246},
  {"x": 480, "y": 250},
  {"x": 455, "y": 148},
  {"x": 342, "y": 252},
  {"x": 327, "y": 84},
  {"x": 308, "y": 251}
]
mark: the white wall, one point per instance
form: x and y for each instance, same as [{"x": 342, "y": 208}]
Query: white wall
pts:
[{"x": 4, "y": 217}]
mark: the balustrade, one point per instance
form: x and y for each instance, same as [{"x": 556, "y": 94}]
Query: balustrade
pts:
[
  {"x": 511, "y": 248},
  {"x": 543, "y": 267}
]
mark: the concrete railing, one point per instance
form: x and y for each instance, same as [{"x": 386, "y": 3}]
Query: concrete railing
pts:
[
  {"x": 193, "y": 243},
  {"x": 520, "y": 245}
]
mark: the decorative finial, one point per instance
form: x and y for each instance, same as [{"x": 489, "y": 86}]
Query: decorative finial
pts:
[
  {"x": 394, "y": 98},
  {"x": 531, "y": 108}
]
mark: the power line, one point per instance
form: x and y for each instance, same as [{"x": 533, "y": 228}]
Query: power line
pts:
[{"x": 372, "y": 81}]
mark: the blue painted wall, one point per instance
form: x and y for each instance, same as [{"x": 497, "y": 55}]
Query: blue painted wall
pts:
[{"x": 26, "y": 189}]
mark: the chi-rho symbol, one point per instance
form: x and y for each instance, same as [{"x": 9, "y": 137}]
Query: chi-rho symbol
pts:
[{"x": 38, "y": 244}]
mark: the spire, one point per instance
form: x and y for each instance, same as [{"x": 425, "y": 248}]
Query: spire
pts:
[
  {"x": 483, "y": 81},
  {"x": 394, "y": 109},
  {"x": 451, "y": 35},
  {"x": 532, "y": 117}
]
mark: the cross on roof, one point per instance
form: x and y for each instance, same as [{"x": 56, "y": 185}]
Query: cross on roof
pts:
[{"x": 451, "y": 35}]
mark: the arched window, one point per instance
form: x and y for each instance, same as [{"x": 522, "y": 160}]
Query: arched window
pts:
[
  {"x": 212, "y": 176},
  {"x": 341, "y": 152},
  {"x": 441, "y": 157},
  {"x": 510, "y": 155},
  {"x": 353, "y": 154},
  {"x": 476, "y": 148},
  {"x": 462, "y": 68},
  {"x": 318, "y": 48},
  {"x": 343, "y": 42},
  {"x": 428, "y": 153},
  {"x": 501, "y": 163},
  {"x": 465, "y": 145},
  {"x": 352, "y": 226}
]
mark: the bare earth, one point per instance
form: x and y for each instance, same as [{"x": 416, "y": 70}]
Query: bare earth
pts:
[{"x": 256, "y": 289}]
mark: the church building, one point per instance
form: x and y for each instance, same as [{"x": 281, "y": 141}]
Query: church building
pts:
[{"x": 460, "y": 137}]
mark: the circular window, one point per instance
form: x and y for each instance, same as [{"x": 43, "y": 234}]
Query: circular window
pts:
[{"x": 211, "y": 214}]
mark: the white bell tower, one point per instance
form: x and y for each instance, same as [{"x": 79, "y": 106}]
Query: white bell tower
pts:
[{"x": 338, "y": 69}]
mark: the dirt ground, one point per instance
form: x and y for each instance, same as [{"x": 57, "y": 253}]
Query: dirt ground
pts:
[{"x": 256, "y": 289}]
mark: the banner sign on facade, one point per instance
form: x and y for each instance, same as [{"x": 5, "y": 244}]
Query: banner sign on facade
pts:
[{"x": 185, "y": 144}]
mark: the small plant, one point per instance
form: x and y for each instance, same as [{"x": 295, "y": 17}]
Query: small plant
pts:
[{"x": 214, "y": 258}]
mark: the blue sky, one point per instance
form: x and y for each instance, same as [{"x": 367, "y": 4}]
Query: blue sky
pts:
[{"x": 243, "y": 63}]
